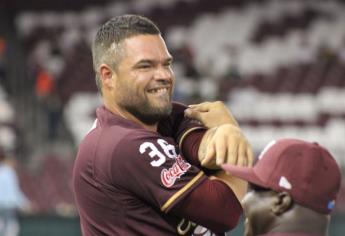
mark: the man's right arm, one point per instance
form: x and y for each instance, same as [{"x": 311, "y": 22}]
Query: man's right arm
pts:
[{"x": 211, "y": 204}]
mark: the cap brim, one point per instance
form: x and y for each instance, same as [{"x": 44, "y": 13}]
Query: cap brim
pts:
[{"x": 245, "y": 173}]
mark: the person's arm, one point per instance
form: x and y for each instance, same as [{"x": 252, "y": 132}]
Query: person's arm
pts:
[
  {"x": 211, "y": 114},
  {"x": 217, "y": 139},
  {"x": 224, "y": 144},
  {"x": 211, "y": 204},
  {"x": 197, "y": 142},
  {"x": 224, "y": 141}
]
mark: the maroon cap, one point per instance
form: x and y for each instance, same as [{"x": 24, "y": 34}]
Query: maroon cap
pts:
[{"x": 305, "y": 170}]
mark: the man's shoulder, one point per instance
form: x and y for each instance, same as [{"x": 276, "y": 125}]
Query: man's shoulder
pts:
[
  {"x": 118, "y": 136},
  {"x": 177, "y": 113},
  {"x": 178, "y": 107}
]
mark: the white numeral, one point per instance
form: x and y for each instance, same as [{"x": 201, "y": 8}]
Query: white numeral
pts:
[
  {"x": 153, "y": 152},
  {"x": 168, "y": 149}
]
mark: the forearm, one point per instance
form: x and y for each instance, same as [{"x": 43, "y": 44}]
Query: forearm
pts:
[
  {"x": 212, "y": 204},
  {"x": 238, "y": 186},
  {"x": 189, "y": 146},
  {"x": 204, "y": 142}
]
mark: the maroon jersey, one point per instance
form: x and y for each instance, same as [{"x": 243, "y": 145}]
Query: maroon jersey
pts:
[{"x": 126, "y": 178}]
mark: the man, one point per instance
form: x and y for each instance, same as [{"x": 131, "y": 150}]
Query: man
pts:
[
  {"x": 138, "y": 171},
  {"x": 293, "y": 185}
]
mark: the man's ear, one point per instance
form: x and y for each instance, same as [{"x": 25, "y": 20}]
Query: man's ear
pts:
[
  {"x": 282, "y": 203},
  {"x": 106, "y": 75}
]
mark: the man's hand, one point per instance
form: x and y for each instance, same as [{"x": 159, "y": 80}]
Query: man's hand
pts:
[
  {"x": 224, "y": 144},
  {"x": 211, "y": 114}
]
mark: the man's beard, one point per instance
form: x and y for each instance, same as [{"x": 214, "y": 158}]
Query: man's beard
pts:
[{"x": 147, "y": 113}]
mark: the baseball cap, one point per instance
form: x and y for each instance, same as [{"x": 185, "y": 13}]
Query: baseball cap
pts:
[{"x": 307, "y": 171}]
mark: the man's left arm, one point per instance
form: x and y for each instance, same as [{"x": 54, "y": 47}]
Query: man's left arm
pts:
[{"x": 223, "y": 142}]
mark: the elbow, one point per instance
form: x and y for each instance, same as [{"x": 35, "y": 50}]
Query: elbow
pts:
[
  {"x": 234, "y": 219},
  {"x": 227, "y": 223}
]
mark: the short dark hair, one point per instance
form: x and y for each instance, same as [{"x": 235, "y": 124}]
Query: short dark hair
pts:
[{"x": 112, "y": 33}]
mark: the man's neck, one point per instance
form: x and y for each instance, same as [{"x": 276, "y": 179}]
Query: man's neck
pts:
[{"x": 128, "y": 116}]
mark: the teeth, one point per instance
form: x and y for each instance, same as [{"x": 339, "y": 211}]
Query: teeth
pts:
[{"x": 160, "y": 90}]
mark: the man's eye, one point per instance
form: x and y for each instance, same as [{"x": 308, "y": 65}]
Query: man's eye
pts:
[{"x": 144, "y": 66}]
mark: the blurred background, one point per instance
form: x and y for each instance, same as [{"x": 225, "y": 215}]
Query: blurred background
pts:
[{"x": 279, "y": 65}]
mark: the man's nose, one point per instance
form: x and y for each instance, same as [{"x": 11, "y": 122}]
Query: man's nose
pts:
[{"x": 163, "y": 73}]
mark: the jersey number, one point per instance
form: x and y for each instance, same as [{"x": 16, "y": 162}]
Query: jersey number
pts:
[{"x": 153, "y": 152}]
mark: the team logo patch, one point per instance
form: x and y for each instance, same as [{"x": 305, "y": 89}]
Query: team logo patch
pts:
[{"x": 169, "y": 176}]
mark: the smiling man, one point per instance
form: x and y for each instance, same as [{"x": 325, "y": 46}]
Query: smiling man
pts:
[
  {"x": 143, "y": 82},
  {"x": 138, "y": 171}
]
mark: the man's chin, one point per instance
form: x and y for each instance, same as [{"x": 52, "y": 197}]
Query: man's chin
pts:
[
  {"x": 160, "y": 102},
  {"x": 153, "y": 114},
  {"x": 161, "y": 105},
  {"x": 153, "y": 118},
  {"x": 161, "y": 112}
]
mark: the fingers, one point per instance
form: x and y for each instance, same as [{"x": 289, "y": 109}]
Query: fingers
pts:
[
  {"x": 219, "y": 154},
  {"x": 250, "y": 156},
  {"x": 195, "y": 111},
  {"x": 221, "y": 151},
  {"x": 233, "y": 146},
  {"x": 193, "y": 114},
  {"x": 227, "y": 146},
  {"x": 242, "y": 154},
  {"x": 211, "y": 114},
  {"x": 202, "y": 107},
  {"x": 210, "y": 153}
]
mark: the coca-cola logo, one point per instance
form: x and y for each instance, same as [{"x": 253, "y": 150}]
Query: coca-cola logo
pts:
[{"x": 169, "y": 176}]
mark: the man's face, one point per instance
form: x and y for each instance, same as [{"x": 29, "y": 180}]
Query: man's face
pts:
[
  {"x": 144, "y": 78},
  {"x": 257, "y": 205}
]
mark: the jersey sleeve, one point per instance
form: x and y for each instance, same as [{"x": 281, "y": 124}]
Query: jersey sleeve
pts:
[
  {"x": 149, "y": 166},
  {"x": 177, "y": 125}
]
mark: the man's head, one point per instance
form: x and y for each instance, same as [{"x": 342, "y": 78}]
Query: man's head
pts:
[
  {"x": 289, "y": 174},
  {"x": 133, "y": 68},
  {"x": 106, "y": 45}
]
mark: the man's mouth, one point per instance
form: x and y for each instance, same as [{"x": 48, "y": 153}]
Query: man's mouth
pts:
[{"x": 158, "y": 91}]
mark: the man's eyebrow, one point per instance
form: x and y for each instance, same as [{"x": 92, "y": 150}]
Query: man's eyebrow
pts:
[
  {"x": 149, "y": 61},
  {"x": 143, "y": 61}
]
